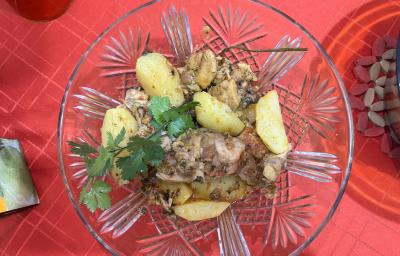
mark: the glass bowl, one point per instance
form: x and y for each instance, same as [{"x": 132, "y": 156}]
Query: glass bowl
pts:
[{"x": 315, "y": 109}]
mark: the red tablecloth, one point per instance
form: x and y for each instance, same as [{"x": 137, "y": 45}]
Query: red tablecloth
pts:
[{"x": 36, "y": 60}]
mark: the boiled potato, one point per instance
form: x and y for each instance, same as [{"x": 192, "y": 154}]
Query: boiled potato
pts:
[
  {"x": 227, "y": 188},
  {"x": 269, "y": 123},
  {"x": 159, "y": 78},
  {"x": 200, "y": 209},
  {"x": 182, "y": 190},
  {"x": 216, "y": 115},
  {"x": 114, "y": 120}
]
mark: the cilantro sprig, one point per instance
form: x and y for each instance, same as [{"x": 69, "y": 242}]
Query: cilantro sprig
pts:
[
  {"x": 143, "y": 153},
  {"x": 95, "y": 193},
  {"x": 176, "y": 119}
]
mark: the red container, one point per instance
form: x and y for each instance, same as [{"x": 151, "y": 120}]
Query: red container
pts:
[{"x": 40, "y": 10}]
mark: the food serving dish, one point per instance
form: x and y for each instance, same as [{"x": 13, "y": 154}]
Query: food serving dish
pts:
[{"x": 314, "y": 107}]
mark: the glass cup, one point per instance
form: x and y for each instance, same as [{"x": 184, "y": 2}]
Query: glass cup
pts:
[{"x": 40, "y": 10}]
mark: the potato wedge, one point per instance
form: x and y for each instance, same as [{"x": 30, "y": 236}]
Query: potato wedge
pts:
[
  {"x": 159, "y": 78},
  {"x": 114, "y": 120},
  {"x": 182, "y": 190},
  {"x": 200, "y": 209},
  {"x": 269, "y": 123},
  {"x": 227, "y": 188},
  {"x": 216, "y": 115}
]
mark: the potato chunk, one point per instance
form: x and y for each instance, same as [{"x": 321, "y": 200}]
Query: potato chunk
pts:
[
  {"x": 200, "y": 209},
  {"x": 159, "y": 78},
  {"x": 269, "y": 123},
  {"x": 114, "y": 120},
  {"x": 181, "y": 190},
  {"x": 227, "y": 188},
  {"x": 216, "y": 115}
]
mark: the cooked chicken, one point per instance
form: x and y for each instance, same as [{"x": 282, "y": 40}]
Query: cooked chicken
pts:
[
  {"x": 249, "y": 114},
  {"x": 200, "y": 154},
  {"x": 243, "y": 73},
  {"x": 136, "y": 101},
  {"x": 273, "y": 165},
  {"x": 254, "y": 144},
  {"x": 227, "y": 92},
  {"x": 135, "y": 98},
  {"x": 224, "y": 70}
]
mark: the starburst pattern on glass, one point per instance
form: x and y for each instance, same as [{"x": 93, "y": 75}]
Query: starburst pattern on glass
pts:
[
  {"x": 124, "y": 214},
  {"x": 279, "y": 63},
  {"x": 234, "y": 27},
  {"x": 287, "y": 221},
  {"x": 78, "y": 164},
  {"x": 121, "y": 54},
  {"x": 175, "y": 233},
  {"x": 231, "y": 240},
  {"x": 317, "y": 166},
  {"x": 317, "y": 105},
  {"x": 93, "y": 104},
  {"x": 177, "y": 30}
]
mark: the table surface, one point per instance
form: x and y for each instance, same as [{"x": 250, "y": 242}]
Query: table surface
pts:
[{"x": 36, "y": 60}]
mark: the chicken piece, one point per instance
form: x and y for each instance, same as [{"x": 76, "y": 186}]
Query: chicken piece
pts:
[
  {"x": 254, "y": 144},
  {"x": 226, "y": 92},
  {"x": 228, "y": 150},
  {"x": 273, "y": 164},
  {"x": 194, "y": 61},
  {"x": 249, "y": 113},
  {"x": 201, "y": 154},
  {"x": 207, "y": 69},
  {"x": 223, "y": 71},
  {"x": 243, "y": 73},
  {"x": 135, "y": 98},
  {"x": 249, "y": 171}
]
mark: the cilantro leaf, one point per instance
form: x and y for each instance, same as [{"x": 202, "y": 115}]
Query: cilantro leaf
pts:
[
  {"x": 180, "y": 125},
  {"x": 132, "y": 165},
  {"x": 157, "y": 106},
  {"x": 97, "y": 197},
  {"x": 114, "y": 142},
  {"x": 176, "y": 119},
  {"x": 99, "y": 165},
  {"x": 187, "y": 106},
  {"x": 82, "y": 149},
  {"x": 143, "y": 152}
]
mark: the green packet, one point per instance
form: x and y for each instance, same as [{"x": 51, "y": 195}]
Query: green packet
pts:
[{"x": 16, "y": 187}]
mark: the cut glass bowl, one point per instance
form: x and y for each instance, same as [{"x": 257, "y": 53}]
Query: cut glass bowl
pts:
[{"x": 316, "y": 114}]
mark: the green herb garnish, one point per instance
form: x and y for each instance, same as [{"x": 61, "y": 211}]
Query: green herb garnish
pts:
[
  {"x": 143, "y": 152},
  {"x": 176, "y": 119},
  {"x": 97, "y": 197}
]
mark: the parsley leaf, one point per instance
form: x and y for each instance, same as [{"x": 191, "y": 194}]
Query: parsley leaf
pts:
[
  {"x": 143, "y": 152},
  {"x": 180, "y": 125},
  {"x": 176, "y": 119},
  {"x": 99, "y": 165},
  {"x": 82, "y": 149},
  {"x": 157, "y": 106},
  {"x": 114, "y": 142},
  {"x": 97, "y": 197}
]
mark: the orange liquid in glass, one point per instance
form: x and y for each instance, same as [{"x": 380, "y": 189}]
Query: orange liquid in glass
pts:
[{"x": 40, "y": 9}]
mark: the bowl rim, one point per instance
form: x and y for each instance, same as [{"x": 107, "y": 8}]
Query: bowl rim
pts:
[{"x": 332, "y": 66}]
